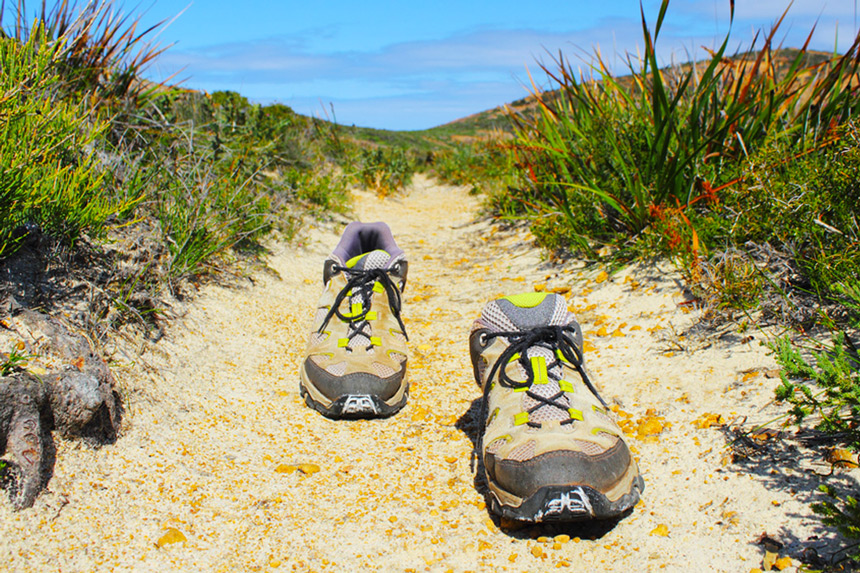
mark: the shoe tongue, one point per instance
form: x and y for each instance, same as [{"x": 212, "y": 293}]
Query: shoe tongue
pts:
[
  {"x": 525, "y": 312},
  {"x": 377, "y": 259}
]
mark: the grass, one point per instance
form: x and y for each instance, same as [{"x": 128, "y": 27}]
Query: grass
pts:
[
  {"x": 14, "y": 360},
  {"x": 828, "y": 390},
  {"x": 707, "y": 163},
  {"x": 609, "y": 159},
  {"x": 384, "y": 170},
  {"x": 52, "y": 177}
]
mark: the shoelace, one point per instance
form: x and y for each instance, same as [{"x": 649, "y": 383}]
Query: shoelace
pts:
[
  {"x": 360, "y": 284},
  {"x": 550, "y": 337}
]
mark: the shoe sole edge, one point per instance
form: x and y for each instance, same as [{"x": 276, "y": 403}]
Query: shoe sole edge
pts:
[
  {"x": 353, "y": 406},
  {"x": 568, "y": 504}
]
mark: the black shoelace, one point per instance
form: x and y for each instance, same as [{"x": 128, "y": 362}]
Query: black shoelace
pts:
[
  {"x": 552, "y": 338},
  {"x": 360, "y": 284}
]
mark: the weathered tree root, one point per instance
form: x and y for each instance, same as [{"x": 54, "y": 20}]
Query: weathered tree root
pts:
[{"x": 75, "y": 397}]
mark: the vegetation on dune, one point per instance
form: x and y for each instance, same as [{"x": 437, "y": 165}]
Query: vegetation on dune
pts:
[{"x": 179, "y": 183}]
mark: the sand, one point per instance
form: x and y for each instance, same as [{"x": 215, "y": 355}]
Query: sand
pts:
[{"x": 221, "y": 466}]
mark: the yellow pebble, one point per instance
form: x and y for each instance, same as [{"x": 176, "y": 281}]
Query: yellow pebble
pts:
[{"x": 537, "y": 551}]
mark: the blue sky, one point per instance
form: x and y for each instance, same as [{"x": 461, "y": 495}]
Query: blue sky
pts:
[{"x": 414, "y": 65}]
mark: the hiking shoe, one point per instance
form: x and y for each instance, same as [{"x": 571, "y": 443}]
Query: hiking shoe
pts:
[
  {"x": 355, "y": 365},
  {"x": 550, "y": 448}
]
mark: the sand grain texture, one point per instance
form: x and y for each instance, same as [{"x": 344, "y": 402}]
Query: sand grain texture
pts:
[{"x": 221, "y": 466}]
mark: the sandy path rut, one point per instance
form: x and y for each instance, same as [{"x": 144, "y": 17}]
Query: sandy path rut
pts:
[{"x": 204, "y": 479}]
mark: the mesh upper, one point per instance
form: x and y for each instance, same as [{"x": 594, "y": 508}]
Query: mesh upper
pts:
[
  {"x": 495, "y": 319},
  {"x": 377, "y": 259},
  {"x": 523, "y": 452},
  {"x": 505, "y": 316}
]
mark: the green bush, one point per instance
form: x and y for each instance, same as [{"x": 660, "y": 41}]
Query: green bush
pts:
[
  {"x": 829, "y": 389},
  {"x": 829, "y": 392},
  {"x": 384, "y": 170},
  {"x": 607, "y": 158},
  {"x": 843, "y": 513},
  {"x": 52, "y": 176}
]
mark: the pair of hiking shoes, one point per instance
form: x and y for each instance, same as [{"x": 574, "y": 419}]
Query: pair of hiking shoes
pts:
[{"x": 551, "y": 450}]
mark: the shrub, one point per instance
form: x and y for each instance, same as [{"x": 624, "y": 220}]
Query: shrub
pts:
[
  {"x": 52, "y": 177},
  {"x": 607, "y": 156},
  {"x": 385, "y": 170}
]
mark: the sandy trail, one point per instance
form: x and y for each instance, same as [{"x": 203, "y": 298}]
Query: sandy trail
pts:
[{"x": 215, "y": 426}]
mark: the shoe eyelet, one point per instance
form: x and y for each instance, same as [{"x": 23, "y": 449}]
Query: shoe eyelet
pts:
[{"x": 482, "y": 339}]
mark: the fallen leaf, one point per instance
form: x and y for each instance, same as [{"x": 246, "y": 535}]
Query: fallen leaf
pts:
[
  {"x": 172, "y": 535},
  {"x": 306, "y": 469},
  {"x": 309, "y": 469},
  {"x": 762, "y": 435},
  {"x": 841, "y": 458},
  {"x": 601, "y": 277},
  {"x": 649, "y": 426},
  {"x": 709, "y": 419}
]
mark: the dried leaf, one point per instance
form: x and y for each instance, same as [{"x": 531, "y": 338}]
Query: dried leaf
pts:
[
  {"x": 841, "y": 458},
  {"x": 306, "y": 469},
  {"x": 709, "y": 419},
  {"x": 172, "y": 535}
]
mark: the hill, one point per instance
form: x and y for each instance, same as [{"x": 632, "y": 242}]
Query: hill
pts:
[{"x": 494, "y": 121}]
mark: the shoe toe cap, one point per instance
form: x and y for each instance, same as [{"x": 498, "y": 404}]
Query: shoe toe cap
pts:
[
  {"x": 354, "y": 383},
  {"x": 560, "y": 468}
]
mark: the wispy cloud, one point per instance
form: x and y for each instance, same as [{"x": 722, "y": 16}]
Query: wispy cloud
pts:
[{"x": 417, "y": 84}]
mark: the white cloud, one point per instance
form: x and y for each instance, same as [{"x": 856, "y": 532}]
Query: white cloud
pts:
[{"x": 415, "y": 84}]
